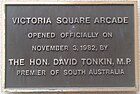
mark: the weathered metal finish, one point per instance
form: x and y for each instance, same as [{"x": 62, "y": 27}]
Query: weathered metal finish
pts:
[{"x": 123, "y": 44}]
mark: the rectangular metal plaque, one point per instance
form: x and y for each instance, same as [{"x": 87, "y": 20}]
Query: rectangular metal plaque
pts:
[{"x": 71, "y": 47}]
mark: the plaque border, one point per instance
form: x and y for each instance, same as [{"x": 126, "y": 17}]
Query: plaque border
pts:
[{"x": 73, "y": 89}]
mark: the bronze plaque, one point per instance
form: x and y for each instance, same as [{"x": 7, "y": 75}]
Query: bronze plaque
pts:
[{"x": 70, "y": 47}]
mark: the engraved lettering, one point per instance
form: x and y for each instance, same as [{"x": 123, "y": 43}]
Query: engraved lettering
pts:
[
  {"x": 31, "y": 72},
  {"x": 111, "y": 20},
  {"x": 39, "y": 62},
  {"x": 72, "y": 20},
  {"x": 31, "y": 20},
  {"x": 48, "y": 35},
  {"x": 123, "y": 61},
  {"x": 65, "y": 62},
  {"x": 97, "y": 61},
  {"x": 79, "y": 35},
  {"x": 16, "y": 62},
  {"x": 78, "y": 72},
  {"x": 49, "y": 48},
  {"x": 106, "y": 72}
]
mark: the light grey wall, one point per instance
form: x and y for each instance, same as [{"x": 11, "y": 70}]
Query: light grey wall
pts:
[{"x": 61, "y": 1}]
